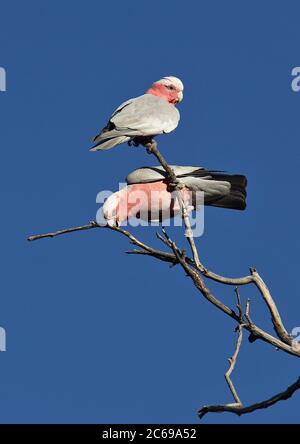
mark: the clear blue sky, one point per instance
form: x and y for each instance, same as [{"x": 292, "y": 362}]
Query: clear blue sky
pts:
[{"x": 97, "y": 336}]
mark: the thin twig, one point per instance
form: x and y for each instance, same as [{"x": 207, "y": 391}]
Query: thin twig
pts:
[
  {"x": 232, "y": 362},
  {"x": 239, "y": 303},
  {"x": 247, "y": 316},
  {"x": 88, "y": 226}
]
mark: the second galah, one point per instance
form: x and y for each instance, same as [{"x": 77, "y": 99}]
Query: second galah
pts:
[
  {"x": 148, "y": 115},
  {"x": 149, "y": 195}
]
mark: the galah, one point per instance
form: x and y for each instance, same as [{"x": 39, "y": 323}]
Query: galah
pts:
[
  {"x": 148, "y": 115},
  {"x": 149, "y": 196}
]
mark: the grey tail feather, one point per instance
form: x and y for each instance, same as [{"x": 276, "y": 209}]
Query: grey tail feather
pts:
[
  {"x": 236, "y": 199},
  {"x": 109, "y": 143}
]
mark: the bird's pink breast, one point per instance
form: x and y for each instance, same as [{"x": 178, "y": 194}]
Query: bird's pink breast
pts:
[{"x": 149, "y": 201}]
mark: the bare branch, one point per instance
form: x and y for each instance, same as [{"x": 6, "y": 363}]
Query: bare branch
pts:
[
  {"x": 192, "y": 273},
  {"x": 197, "y": 272},
  {"x": 255, "y": 331},
  {"x": 188, "y": 265},
  {"x": 282, "y": 396},
  {"x": 238, "y": 407},
  {"x": 146, "y": 249},
  {"x": 254, "y": 278},
  {"x": 89, "y": 226},
  {"x": 232, "y": 362},
  {"x": 239, "y": 303},
  {"x": 247, "y": 316},
  {"x": 161, "y": 255},
  {"x": 276, "y": 319},
  {"x": 227, "y": 280}
]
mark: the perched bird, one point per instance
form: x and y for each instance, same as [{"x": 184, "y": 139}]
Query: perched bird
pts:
[
  {"x": 145, "y": 116},
  {"x": 149, "y": 196}
]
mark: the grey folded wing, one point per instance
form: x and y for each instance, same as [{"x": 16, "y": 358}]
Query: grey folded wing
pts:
[
  {"x": 155, "y": 173},
  {"x": 195, "y": 178},
  {"x": 146, "y": 115}
]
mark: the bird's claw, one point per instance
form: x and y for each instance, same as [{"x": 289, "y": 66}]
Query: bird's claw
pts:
[
  {"x": 176, "y": 185},
  {"x": 179, "y": 185}
]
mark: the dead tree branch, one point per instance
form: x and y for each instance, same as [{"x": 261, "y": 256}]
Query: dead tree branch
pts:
[
  {"x": 197, "y": 272},
  {"x": 282, "y": 396}
]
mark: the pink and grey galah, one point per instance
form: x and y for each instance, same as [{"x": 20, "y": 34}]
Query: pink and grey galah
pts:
[
  {"x": 148, "y": 115},
  {"x": 149, "y": 195}
]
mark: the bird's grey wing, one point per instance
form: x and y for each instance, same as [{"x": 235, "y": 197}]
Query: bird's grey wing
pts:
[
  {"x": 213, "y": 189},
  {"x": 145, "y": 174},
  {"x": 155, "y": 173},
  {"x": 147, "y": 115},
  {"x": 110, "y": 126}
]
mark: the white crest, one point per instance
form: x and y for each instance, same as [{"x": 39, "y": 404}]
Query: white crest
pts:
[{"x": 170, "y": 80}]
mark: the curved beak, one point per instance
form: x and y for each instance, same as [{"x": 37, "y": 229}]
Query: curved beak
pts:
[{"x": 179, "y": 97}]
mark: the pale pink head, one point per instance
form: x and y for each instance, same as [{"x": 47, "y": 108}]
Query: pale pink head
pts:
[{"x": 169, "y": 88}]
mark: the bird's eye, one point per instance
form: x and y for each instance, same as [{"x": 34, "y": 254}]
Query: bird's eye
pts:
[{"x": 170, "y": 87}]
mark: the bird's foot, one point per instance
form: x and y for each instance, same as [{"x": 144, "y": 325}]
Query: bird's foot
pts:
[
  {"x": 148, "y": 147},
  {"x": 176, "y": 185}
]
